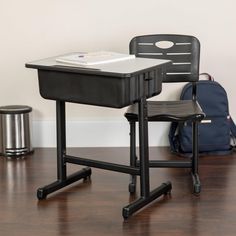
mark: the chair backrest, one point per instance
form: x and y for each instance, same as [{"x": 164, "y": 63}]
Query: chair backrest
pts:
[{"x": 182, "y": 50}]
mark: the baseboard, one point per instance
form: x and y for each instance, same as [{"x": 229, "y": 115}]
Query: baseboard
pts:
[{"x": 112, "y": 133}]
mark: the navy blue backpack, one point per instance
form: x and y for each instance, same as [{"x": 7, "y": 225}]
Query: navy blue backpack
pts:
[{"x": 216, "y": 131}]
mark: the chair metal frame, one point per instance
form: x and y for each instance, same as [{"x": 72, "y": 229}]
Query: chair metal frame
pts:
[{"x": 184, "y": 51}]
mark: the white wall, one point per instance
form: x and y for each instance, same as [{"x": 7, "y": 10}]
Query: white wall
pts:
[{"x": 32, "y": 30}]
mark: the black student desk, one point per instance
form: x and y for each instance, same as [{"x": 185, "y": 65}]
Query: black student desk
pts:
[{"x": 116, "y": 85}]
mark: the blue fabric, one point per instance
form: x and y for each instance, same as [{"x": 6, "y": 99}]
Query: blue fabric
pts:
[{"x": 217, "y": 127}]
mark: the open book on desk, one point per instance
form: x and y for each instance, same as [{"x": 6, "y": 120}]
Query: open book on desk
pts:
[{"x": 93, "y": 58}]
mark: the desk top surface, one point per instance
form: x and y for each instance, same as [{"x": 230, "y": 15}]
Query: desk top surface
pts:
[{"x": 127, "y": 68}]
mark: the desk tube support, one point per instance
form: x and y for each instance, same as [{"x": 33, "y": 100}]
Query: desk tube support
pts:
[
  {"x": 61, "y": 140},
  {"x": 145, "y": 195},
  {"x": 144, "y": 152},
  {"x": 133, "y": 157},
  {"x": 62, "y": 178}
]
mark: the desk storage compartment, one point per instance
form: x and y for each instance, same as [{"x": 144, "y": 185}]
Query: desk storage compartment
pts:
[{"x": 97, "y": 90}]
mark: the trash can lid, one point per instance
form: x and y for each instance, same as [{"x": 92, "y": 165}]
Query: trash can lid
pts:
[{"x": 15, "y": 109}]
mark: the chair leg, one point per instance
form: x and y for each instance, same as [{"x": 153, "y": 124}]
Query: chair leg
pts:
[
  {"x": 133, "y": 157},
  {"x": 195, "y": 176}
]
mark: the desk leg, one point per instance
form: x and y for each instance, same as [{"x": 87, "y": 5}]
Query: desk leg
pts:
[
  {"x": 62, "y": 179},
  {"x": 61, "y": 140},
  {"x": 146, "y": 196},
  {"x": 133, "y": 157}
]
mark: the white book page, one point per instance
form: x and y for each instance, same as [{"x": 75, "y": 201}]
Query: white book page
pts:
[{"x": 93, "y": 58}]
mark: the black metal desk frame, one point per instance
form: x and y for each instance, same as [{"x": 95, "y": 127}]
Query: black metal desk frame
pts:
[{"x": 146, "y": 196}]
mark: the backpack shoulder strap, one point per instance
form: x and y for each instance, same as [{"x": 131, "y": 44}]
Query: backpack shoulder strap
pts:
[
  {"x": 233, "y": 133},
  {"x": 232, "y": 127}
]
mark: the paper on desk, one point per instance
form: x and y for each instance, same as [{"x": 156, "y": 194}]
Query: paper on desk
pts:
[{"x": 93, "y": 58}]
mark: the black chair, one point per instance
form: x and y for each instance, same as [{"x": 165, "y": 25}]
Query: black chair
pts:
[{"x": 184, "y": 52}]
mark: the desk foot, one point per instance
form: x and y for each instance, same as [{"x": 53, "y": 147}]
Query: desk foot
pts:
[
  {"x": 164, "y": 188},
  {"x": 82, "y": 174}
]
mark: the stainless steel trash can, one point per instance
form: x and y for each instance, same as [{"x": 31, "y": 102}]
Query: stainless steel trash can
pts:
[{"x": 15, "y": 130}]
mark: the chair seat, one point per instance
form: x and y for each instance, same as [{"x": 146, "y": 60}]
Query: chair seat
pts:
[{"x": 184, "y": 110}]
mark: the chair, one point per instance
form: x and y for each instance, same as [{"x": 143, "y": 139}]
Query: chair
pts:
[{"x": 184, "y": 52}]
